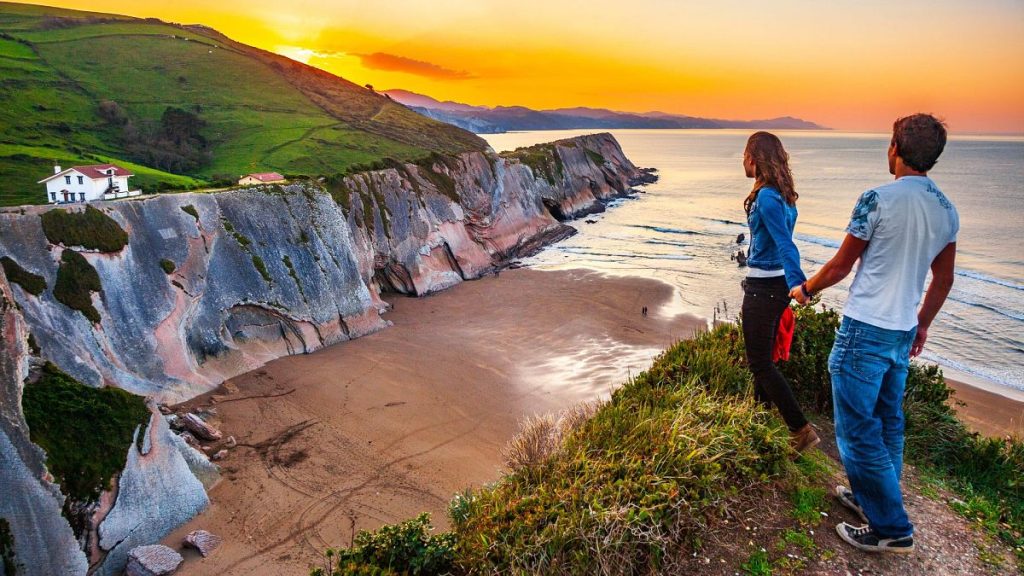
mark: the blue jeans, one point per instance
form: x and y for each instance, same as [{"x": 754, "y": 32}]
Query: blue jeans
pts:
[{"x": 869, "y": 366}]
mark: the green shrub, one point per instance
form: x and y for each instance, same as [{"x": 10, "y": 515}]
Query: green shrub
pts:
[
  {"x": 90, "y": 229},
  {"x": 261, "y": 267},
  {"x": 406, "y": 548},
  {"x": 543, "y": 160},
  {"x": 807, "y": 367},
  {"x": 7, "y": 549},
  {"x": 444, "y": 183},
  {"x": 595, "y": 157},
  {"x": 191, "y": 210},
  {"x": 291, "y": 272},
  {"x": 34, "y": 284},
  {"x": 76, "y": 281},
  {"x": 167, "y": 265},
  {"x": 85, "y": 431}
]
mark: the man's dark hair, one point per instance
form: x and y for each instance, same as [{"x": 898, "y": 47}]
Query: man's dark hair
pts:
[{"x": 919, "y": 140}]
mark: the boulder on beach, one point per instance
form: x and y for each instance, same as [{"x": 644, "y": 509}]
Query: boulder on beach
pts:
[
  {"x": 153, "y": 560},
  {"x": 203, "y": 541},
  {"x": 200, "y": 429}
]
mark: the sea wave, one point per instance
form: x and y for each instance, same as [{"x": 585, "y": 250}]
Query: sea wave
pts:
[
  {"x": 722, "y": 221},
  {"x": 994, "y": 309},
  {"x": 666, "y": 243},
  {"x": 989, "y": 279},
  {"x": 817, "y": 240},
  {"x": 623, "y": 255},
  {"x": 1007, "y": 378},
  {"x": 666, "y": 230}
]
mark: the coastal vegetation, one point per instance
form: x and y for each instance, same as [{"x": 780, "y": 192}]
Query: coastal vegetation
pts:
[
  {"x": 90, "y": 229},
  {"x": 85, "y": 431},
  {"x": 76, "y": 281},
  {"x": 654, "y": 476},
  {"x": 168, "y": 266},
  {"x": 7, "y": 548},
  {"x": 183, "y": 106},
  {"x": 191, "y": 211},
  {"x": 542, "y": 159},
  {"x": 34, "y": 284}
]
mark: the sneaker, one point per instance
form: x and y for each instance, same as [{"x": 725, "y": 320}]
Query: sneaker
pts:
[
  {"x": 864, "y": 538},
  {"x": 804, "y": 439},
  {"x": 845, "y": 496}
]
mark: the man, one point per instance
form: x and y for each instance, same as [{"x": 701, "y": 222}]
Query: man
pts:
[{"x": 898, "y": 231}]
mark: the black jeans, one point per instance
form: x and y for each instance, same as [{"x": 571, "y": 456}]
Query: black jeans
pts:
[{"x": 764, "y": 299}]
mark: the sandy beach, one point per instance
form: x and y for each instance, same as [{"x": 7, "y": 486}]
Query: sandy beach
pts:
[
  {"x": 987, "y": 412},
  {"x": 384, "y": 427}
]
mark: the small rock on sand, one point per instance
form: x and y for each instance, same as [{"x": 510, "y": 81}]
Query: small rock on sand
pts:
[
  {"x": 154, "y": 560},
  {"x": 195, "y": 425},
  {"x": 220, "y": 455},
  {"x": 231, "y": 442},
  {"x": 203, "y": 541},
  {"x": 190, "y": 439}
]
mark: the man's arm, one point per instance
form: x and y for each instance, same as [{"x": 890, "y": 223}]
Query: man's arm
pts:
[
  {"x": 942, "y": 281},
  {"x": 834, "y": 270}
]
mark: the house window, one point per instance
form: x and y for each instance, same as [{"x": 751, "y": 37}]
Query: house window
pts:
[
  {"x": 81, "y": 196},
  {"x": 67, "y": 179},
  {"x": 80, "y": 180},
  {"x": 53, "y": 196}
]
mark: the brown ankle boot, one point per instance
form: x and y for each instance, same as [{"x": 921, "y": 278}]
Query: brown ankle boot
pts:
[{"x": 804, "y": 439}]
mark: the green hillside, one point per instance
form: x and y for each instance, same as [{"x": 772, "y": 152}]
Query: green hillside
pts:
[{"x": 182, "y": 106}]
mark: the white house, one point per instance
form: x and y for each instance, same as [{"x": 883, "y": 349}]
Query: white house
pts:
[
  {"x": 261, "y": 178},
  {"x": 88, "y": 183}
]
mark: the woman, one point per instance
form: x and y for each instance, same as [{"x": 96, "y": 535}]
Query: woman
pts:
[{"x": 774, "y": 268}]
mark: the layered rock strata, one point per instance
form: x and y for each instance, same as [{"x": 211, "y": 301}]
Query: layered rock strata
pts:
[{"x": 213, "y": 285}]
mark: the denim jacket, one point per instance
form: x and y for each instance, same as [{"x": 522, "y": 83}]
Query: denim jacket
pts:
[{"x": 771, "y": 222}]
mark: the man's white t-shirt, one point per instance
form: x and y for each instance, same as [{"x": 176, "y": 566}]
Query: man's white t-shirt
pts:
[{"x": 906, "y": 224}]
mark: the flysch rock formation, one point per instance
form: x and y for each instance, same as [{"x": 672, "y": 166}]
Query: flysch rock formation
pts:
[
  {"x": 259, "y": 273},
  {"x": 43, "y": 540}
]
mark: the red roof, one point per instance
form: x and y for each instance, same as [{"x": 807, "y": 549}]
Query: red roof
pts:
[
  {"x": 93, "y": 171},
  {"x": 266, "y": 176},
  {"x": 100, "y": 170}
]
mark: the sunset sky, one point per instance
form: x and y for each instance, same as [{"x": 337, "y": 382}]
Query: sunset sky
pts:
[{"x": 845, "y": 64}]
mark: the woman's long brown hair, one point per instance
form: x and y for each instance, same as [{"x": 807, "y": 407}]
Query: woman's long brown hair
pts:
[{"x": 771, "y": 165}]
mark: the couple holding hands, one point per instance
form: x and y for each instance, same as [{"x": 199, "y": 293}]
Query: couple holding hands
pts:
[{"x": 899, "y": 231}]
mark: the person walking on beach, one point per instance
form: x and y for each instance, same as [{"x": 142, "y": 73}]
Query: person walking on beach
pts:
[
  {"x": 774, "y": 268},
  {"x": 898, "y": 231}
]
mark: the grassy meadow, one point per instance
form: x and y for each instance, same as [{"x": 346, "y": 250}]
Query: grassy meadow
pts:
[{"x": 258, "y": 111}]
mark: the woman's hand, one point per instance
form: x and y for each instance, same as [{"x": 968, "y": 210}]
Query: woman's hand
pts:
[{"x": 797, "y": 293}]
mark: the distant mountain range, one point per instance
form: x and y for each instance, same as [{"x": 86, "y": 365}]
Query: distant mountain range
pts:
[{"x": 486, "y": 120}]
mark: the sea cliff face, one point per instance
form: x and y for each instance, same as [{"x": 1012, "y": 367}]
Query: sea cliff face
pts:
[{"x": 212, "y": 285}]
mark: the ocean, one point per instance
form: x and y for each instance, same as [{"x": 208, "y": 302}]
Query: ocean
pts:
[{"x": 684, "y": 228}]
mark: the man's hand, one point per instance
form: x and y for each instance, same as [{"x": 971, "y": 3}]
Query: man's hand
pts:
[
  {"x": 797, "y": 294},
  {"x": 919, "y": 340}
]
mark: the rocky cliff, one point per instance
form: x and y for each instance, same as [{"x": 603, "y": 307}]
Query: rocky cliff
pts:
[{"x": 208, "y": 286}]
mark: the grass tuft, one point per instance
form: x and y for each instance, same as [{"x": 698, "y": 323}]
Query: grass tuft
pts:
[
  {"x": 85, "y": 431},
  {"x": 76, "y": 281},
  {"x": 90, "y": 229},
  {"x": 34, "y": 284}
]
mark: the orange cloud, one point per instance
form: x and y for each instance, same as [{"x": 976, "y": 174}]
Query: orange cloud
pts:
[{"x": 393, "y": 63}]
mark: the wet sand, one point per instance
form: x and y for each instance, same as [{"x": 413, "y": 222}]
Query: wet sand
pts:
[{"x": 383, "y": 427}]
